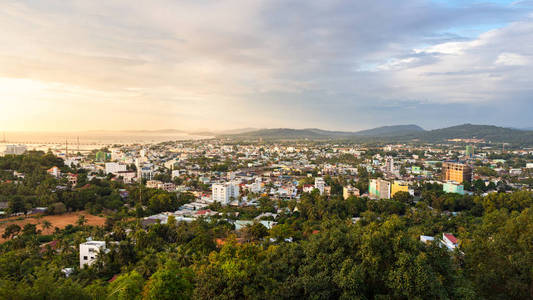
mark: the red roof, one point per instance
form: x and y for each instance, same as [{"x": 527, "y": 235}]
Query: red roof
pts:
[
  {"x": 451, "y": 238},
  {"x": 203, "y": 212}
]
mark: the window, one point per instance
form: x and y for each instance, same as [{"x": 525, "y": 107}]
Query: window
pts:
[{"x": 85, "y": 258}]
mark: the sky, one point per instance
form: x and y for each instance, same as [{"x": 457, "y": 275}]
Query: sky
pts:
[{"x": 216, "y": 64}]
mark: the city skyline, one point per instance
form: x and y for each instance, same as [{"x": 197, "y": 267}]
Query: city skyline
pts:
[{"x": 215, "y": 65}]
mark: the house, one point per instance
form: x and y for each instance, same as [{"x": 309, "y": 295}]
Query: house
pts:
[
  {"x": 426, "y": 239},
  {"x": 54, "y": 171},
  {"x": 450, "y": 241},
  {"x": 89, "y": 252},
  {"x": 72, "y": 179}
]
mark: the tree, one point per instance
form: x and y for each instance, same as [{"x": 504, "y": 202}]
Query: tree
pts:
[
  {"x": 126, "y": 286},
  {"x": 256, "y": 231},
  {"x": 81, "y": 220},
  {"x": 403, "y": 197},
  {"x": 11, "y": 231},
  {"x": 169, "y": 282},
  {"x": 46, "y": 224}
]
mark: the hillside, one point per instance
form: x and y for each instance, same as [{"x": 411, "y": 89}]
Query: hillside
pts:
[
  {"x": 488, "y": 133},
  {"x": 395, "y": 130},
  {"x": 398, "y": 133},
  {"x": 315, "y": 133}
]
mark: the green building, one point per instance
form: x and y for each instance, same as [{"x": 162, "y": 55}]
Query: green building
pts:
[
  {"x": 469, "y": 151},
  {"x": 451, "y": 187},
  {"x": 102, "y": 156}
]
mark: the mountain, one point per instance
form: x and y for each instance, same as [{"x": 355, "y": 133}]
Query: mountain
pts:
[
  {"x": 391, "y": 130},
  {"x": 398, "y": 133},
  {"x": 315, "y": 133},
  {"x": 486, "y": 132},
  {"x": 282, "y": 133}
]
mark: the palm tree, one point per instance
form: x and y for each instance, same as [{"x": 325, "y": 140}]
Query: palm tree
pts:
[
  {"x": 81, "y": 220},
  {"x": 46, "y": 224}
]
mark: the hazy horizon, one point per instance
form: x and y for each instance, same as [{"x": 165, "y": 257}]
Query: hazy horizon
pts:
[{"x": 220, "y": 65}]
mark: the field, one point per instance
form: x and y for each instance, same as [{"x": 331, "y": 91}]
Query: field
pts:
[{"x": 57, "y": 221}]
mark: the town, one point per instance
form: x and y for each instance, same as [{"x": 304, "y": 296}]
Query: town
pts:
[{"x": 255, "y": 190}]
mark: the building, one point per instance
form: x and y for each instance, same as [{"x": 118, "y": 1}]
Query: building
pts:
[
  {"x": 15, "y": 149},
  {"x": 416, "y": 170},
  {"x": 457, "y": 172},
  {"x": 389, "y": 165},
  {"x": 469, "y": 152},
  {"x": 453, "y": 187},
  {"x": 349, "y": 191},
  {"x": 399, "y": 186},
  {"x": 114, "y": 168},
  {"x": 145, "y": 173},
  {"x": 175, "y": 173},
  {"x": 224, "y": 193},
  {"x": 102, "y": 156},
  {"x": 127, "y": 176},
  {"x": 426, "y": 239},
  {"x": 320, "y": 184},
  {"x": 54, "y": 171},
  {"x": 72, "y": 179},
  {"x": 257, "y": 186},
  {"x": 379, "y": 189},
  {"x": 89, "y": 252},
  {"x": 450, "y": 241}
]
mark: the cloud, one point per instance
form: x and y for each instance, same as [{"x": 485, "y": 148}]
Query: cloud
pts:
[{"x": 261, "y": 63}]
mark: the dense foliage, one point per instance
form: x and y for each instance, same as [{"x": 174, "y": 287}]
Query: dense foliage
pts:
[{"x": 316, "y": 251}]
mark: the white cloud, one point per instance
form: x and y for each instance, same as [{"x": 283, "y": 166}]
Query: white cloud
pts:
[
  {"x": 201, "y": 61},
  {"x": 512, "y": 59}
]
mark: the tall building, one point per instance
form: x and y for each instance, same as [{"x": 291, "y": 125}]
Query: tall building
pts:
[
  {"x": 225, "y": 192},
  {"x": 399, "y": 186},
  {"x": 379, "y": 188},
  {"x": 469, "y": 151},
  {"x": 389, "y": 165},
  {"x": 320, "y": 184},
  {"x": 457, "y": 172}
]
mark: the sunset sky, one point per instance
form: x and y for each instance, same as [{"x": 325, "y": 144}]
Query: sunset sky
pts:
[{"x": 214, "y": 64}]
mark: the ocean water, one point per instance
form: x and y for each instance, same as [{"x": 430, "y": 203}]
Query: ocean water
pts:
[{"x": 89, "y": 140}]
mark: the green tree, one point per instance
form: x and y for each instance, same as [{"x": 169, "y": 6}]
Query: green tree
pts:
[
  {"x": 126, "y": 286},
  {"x": 169, "y": 282}
]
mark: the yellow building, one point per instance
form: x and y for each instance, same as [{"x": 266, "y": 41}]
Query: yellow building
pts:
[
  {"x": 399, "y": 186},
  {"x": 348, "y": 191},
  {"x": 456, "y": 172}
]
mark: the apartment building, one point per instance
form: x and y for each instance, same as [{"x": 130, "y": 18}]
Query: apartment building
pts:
[{"x": 457, "y": 172}]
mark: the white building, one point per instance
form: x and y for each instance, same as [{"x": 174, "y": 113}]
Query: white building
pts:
[
  {"x": 114, "y": 168},
  {"x": 256, "y": 187},
  {"x": 89, "y": 252},
  {"x": 320, "y": 184},
  {"x": 15, "y": 149},
  {"x": 127, "y": 176},
  {"x": 225, "y": 192},
  {"x": 175, "y": 173},
  {"x": 54, "y": 171},
  {"x": 450, "y": 241},
  {"x": 426, "y": 239}
]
